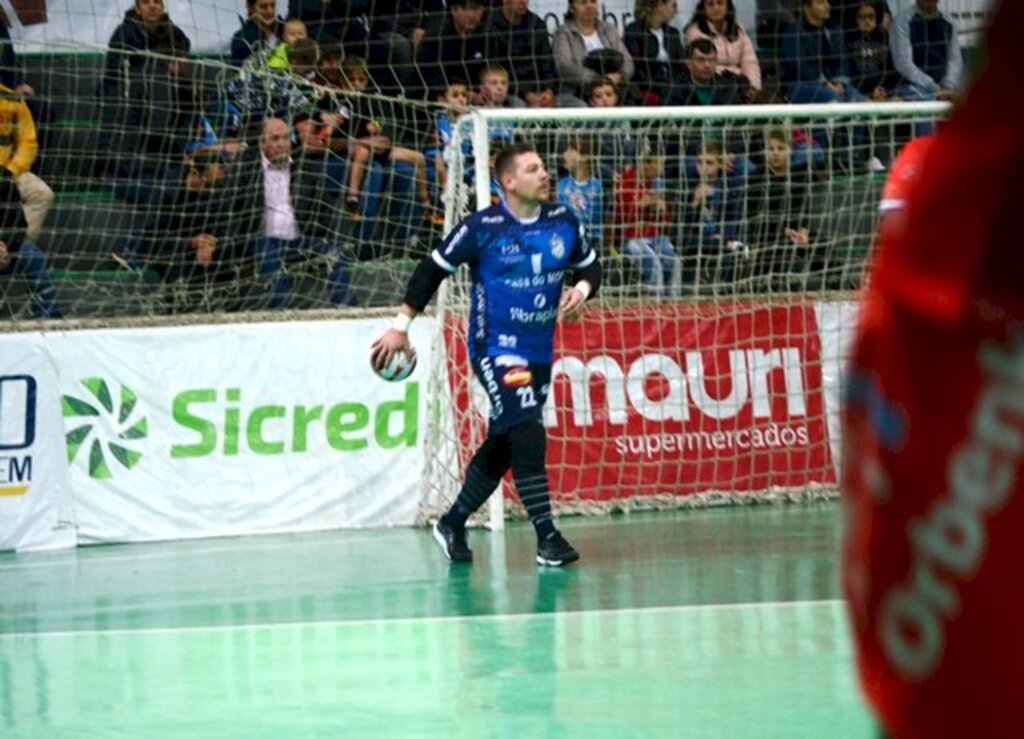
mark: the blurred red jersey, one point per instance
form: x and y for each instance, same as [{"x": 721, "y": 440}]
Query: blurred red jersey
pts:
[
  {"x": 934, "y": 433},
  {"x": 905, "y": 174}
]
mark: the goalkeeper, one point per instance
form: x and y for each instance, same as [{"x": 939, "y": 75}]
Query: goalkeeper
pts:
[{"x": 519, "y": 252}]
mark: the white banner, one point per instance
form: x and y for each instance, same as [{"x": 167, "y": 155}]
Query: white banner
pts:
[
  {"x": 35, "y": 494},
  {"x": 238, "y": 429}
]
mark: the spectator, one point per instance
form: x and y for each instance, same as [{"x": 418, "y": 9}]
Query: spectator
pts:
[
  {"x": 187, "y": 239},
  {"x": 19, "y": 257},
  {"x": 867, "y": 48},
  {"x": 395, "y": 35},
  {"x": 334, "y": 21},
  {"x": 270, "y": 210},
  {"x": 587, "y": 48},
  {"x": 813, "y": 61},
  {"x": 617, "y": 147},
  {"x": 453, "y": 47},
  {"x": 493, "y": 93},
  {"x": 715, "y": 20},
  {"x": 712, "y": 221},
  {"x": 581, "y": 191},
  {"x": 13, "y": 76},
  {"x": 778, "y": 220},
  {"x": 259, "y": 34},
  {"x": 700, "y": 82},
  {"x": 295, "y": 31},
  {"x": 641, "y": 218},
  {"x": 926, "y": 53},
  {"x": 657, "y": 49},
  {"x": 517, "y": 39},
  {"x": 845, "y": 13},
  {"x": 369, "y": 140},
  {"x": 456, "y": 102},
  {"x": 18, "y": 150},
  {"x": 142, "y": 85}
]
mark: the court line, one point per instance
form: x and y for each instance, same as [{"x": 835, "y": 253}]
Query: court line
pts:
[{"x": 413, "y": 620}]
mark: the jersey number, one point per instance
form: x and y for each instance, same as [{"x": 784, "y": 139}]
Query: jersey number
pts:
[{"x": 526, "y": 397}]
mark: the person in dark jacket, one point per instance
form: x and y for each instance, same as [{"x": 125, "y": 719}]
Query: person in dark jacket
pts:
[
  {"x": 813, "y": 63},
  {"x": 260, "y": 33},
  {"x": 144, "y": 80},
  {"x": 396, "y": 31},
  {"x": 453, "y": 47},
  {"x": 517, "y": 39},
  {"x": 646, "y": 38}
]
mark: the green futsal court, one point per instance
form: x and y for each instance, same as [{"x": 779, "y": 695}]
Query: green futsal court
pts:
[{"x": 714, "y": 623}]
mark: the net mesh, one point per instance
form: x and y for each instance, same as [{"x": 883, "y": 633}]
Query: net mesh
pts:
[{"x": 732, "y": 241}]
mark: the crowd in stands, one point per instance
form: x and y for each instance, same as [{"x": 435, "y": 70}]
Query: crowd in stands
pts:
[{"x": 349, "y": 105}]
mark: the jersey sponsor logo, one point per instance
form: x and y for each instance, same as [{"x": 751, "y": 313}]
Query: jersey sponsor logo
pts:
[
  {"x": 520, "y": 315},
  {"x": 509, "y": 248},
  {"x": 517, "y": 377},
  {"x": 456, "y": 238},
  {"x": 557, "y": 211},
  {"x": 557, "y": 247},
  {"x": 493, "y": 219},
  {"x": 948, "y": 544}
]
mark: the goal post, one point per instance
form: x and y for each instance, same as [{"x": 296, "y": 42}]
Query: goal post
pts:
[{"x": 723, "y": 388}]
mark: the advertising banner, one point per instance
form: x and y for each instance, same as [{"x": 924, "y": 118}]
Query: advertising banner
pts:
[
  {"x": 196, "y": 431},
  {"x": 678, "y": 400},
  {"x": 35, "y": 495}
]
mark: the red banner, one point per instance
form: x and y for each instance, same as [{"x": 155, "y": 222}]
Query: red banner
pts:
[{"x": 679, "y": 400}]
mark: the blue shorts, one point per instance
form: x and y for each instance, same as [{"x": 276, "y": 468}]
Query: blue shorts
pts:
[{"x": 517, "y": 391}]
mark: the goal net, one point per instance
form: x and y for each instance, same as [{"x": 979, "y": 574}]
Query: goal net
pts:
[{"x": 733, "y": 241}]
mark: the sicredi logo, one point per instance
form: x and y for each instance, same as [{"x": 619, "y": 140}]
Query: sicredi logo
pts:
[
  {"x": 109, "y": 427},
  {"x": 17, "y": 433}
]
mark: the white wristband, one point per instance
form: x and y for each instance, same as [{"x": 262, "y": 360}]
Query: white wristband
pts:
[
  {"x": 584, "y": 287},
  {"x": 401, "y": 323}
]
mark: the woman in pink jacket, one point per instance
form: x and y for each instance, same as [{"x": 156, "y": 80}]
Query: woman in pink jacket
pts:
[{"x": 716, "y": 21}]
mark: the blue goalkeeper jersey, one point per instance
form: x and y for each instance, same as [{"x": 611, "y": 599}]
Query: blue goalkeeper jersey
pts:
[{"x": 518, "y": 269}]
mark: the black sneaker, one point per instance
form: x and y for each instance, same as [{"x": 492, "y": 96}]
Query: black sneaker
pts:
[
  {"x": 453, "y": 542},
  {"x": 555, "y": 551}
]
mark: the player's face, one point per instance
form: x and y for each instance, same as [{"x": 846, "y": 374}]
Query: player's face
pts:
[
  {"x": 604, "y": 97},
  {"x": 528, "y": 179},
  {"x": 150, "y": 11},
  {"x": 276, "y": 143},
  {"x": 777, "y": 154},
  {"x": 702, "y": 66}
]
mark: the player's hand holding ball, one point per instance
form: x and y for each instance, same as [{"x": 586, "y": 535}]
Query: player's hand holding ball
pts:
[{"x": 392, "y": 356}]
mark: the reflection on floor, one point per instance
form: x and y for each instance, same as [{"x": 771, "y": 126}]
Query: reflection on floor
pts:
[{"x": 722, "y": 623}]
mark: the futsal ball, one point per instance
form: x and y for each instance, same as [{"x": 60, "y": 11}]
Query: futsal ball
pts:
[{"x": 399, "y": 368}]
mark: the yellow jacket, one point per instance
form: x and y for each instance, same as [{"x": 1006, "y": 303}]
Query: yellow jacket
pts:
[{"x": 18, "y": 145}]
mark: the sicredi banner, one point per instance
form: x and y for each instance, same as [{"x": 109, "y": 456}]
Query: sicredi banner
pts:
[
  {"x": 35, "y": 496},
  {"x": 238, "y": 429}
]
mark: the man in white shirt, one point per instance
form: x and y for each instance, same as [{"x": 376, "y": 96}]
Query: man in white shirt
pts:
[{"x": 266, "y": 193}]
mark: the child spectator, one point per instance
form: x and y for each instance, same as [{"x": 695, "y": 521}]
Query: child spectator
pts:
[
  {"x": 18, "y": 150},
  {"x": 712, "y": 219},
  {"x": 617, "y": 147},
  {"x": 778, "y": 220},
  {"x": 369, "y": 140},
  {"x": 581, "y": 191},
  {"x": 867, "y": 48},
  {"x": 641, "y": 221},
  {"x": 294, "y": 31},
  {"x": 455, "y": 98}
]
